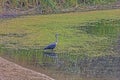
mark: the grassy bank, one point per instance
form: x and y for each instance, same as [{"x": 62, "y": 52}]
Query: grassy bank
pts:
[{"x": 99, "y": 31}]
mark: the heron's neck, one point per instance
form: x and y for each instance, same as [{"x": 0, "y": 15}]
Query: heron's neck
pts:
[{"x": 56, "y": 39}]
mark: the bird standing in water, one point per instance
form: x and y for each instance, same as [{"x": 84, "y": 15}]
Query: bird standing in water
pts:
[{"x": 52, "y": 45}]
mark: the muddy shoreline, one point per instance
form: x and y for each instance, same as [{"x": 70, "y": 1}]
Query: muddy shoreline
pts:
[{"x": 12, "y": 71}]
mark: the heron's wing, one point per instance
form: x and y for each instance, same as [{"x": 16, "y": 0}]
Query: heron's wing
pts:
[{"x": 50, "y": 46}]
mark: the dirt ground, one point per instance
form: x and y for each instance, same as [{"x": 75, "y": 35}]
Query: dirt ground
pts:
[{"x": 12, "y": 71}]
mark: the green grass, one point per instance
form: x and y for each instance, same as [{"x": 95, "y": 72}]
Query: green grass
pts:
[{"x": 40, "y": 30}]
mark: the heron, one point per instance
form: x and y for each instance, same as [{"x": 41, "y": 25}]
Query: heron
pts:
[{"x": 52, "y": 45}]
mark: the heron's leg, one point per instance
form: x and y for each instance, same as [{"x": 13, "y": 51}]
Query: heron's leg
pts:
[{"x": 52, "y": 50}]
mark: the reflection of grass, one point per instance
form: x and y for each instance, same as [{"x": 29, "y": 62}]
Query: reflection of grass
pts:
[
  {"x": 40, "y": 30},
  {"x": 29, "y": 56}
]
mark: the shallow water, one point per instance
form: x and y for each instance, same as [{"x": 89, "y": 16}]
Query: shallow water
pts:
[{"x": 66, "y": 66}]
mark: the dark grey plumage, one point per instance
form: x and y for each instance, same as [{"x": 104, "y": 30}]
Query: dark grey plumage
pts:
[{"x": 52, "y": 45}]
